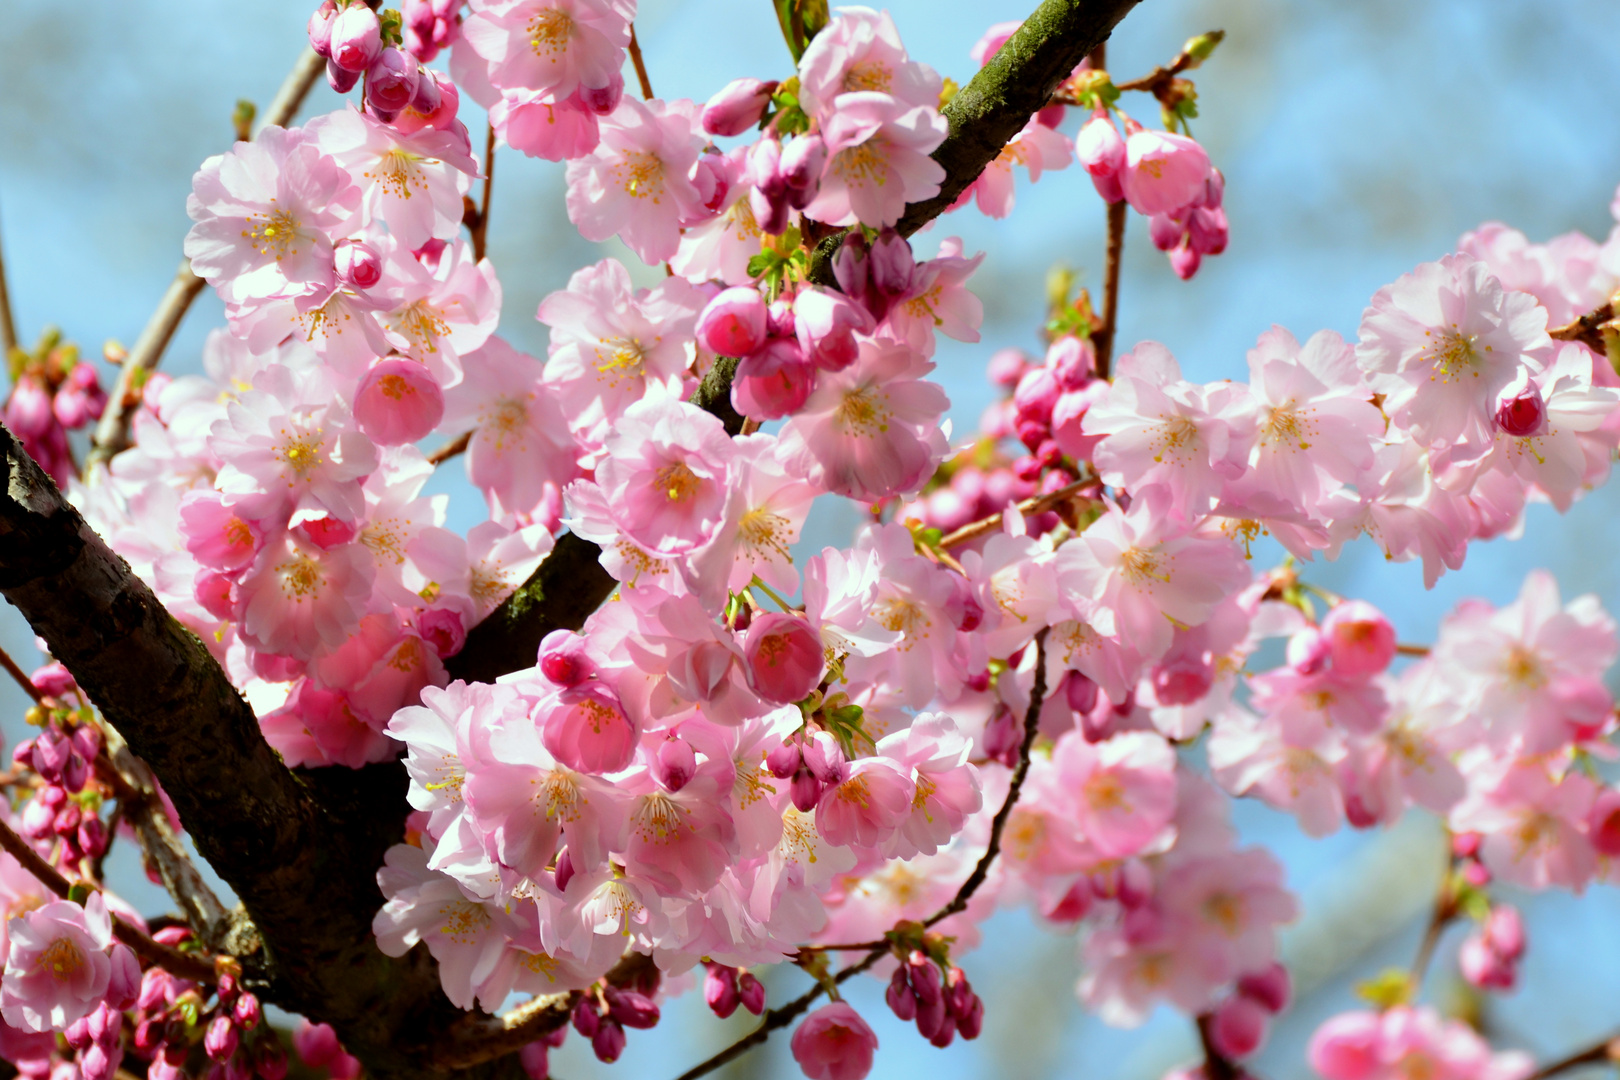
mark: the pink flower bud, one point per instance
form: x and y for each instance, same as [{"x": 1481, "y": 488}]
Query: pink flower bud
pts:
[
  {"x": 1166, "y": 232},
  {"x": 1271, "y": 988},
  {"x": 586, "y": 1019},
  {"x": 1072, "y": 906},
  {"x": 320, "y": 29},
  {"x": 247, "y": 1012},
  {"x": 602, "y": 100},
  {"x": 148, "y": 1036},
  {"x": 323, "y": 530},
  {"x": 1207, "y": 231},
  {"x": 713, "y": 175},
  {"x": 720, "y": 989},
  {"x": 834, "y": 1043},
  {"x": 392, "y": 79},
  {"x": 1007, "y": 366},
  {"x": 1163, "y": 171},
  {"x": 1309, "y": 651},
  {"x": 632, "y": 1009},
  {"x": 733, "y": 323},
  {"x": 1465, "y": 845},
  {"x": 737, "y": 107},
  {"x": 221, "y": 1040},
  {"x": 892, "y": 264},
  {"x": 1182, "y": 680},
  {"x": 77, "y": 1033},
  {"x": 398, "y": 402},
  {"x": 1483, "y": 966},
  {"x": 677, "y": 763},
  {"x": 1360, "y": 639},
  {"x": 269, "y": 1060},
  {"x": 785, "y": 659},
  {"x": 899, "y": 996},
  {"x": 1504, "y": 931},
  {"x": 1036, "y": 395},
  {"x": 155, "y": 985},
  {"x": 565, "y": 868},
  {"x": 1520, "y": 409},
  {"x": 28, "y": 411},
  {"x": 1185, "y": 260},
  {"x": 1003, "y": 736},
  {"x": 1099, "y": 148},
  {"x": 801, "y": 166},
  {"x": 563, "y": 659},
  {"x": 535, "y": 1058},
  {"x": 52, "y": 680},
  {"x": 1072, "y": 362},
  {"x": 805, "y": 791},
  {"x": 356, "y": 38},
  {"x": 608, "y": 1041},
  {"x": 341, "y": 79},
  {"x": 52, "y": 751},
  {"x": 96, "y": 1064},
  {"x": 1476, "y": 875},
  {"x": 925, "y": 978},
  {"x": 1080, "y": 692},
  {"x": 443, "y": 629},
  {"x": 1238, "y": 1027},
  {"x": 92, "y": 836},
  {"x": 357, "y": 263},
  {"x": 773, "y": 382},
  {"x": 784, "y": 761},
  {"x": 826, "y": 322},
  {"x": 316, "y": 1044},
  {"x": 751, "y": 992},
  {"x": 970, "y": 1024}
]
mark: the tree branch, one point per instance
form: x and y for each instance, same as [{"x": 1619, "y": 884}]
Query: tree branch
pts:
[
  {"x": 1607, "y": 1050},
  {"x": 112, "y": 431},
  {"x": 997, "y": 102}
]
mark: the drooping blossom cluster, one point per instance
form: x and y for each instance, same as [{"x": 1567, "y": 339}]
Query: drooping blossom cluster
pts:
[{"x": 754, "y": 751}]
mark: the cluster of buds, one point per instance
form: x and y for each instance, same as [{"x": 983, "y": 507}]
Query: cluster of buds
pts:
[
  {"x": 937, "y": 996},
  {"x": 317, "y": 1047},
  {"x": 388, "y": 52},
  {"x": 1465, "y": 848},
  {"x": 603, "y": 1013},
  {"x": 785, "y": 178},
  {"x": 781, "y": 346},
  {"x": 1194, "y": 230},
  {"x": 1489, "y": 958},
  {"x": 724, "y": 988},
  {"x": 53, "y": 392},
  {"x": 65, "y": 806},
  {"x": 1239, "y": 1025},
  {"x": 811, "y": 763},
  {"x": 97, "y": 1042},
  {"x": 536, "y": 1056},
  {"x": 172, "y": 1017}
]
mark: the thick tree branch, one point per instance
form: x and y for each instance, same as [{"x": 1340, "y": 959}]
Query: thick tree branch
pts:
[{"x": 999, "y": 100}]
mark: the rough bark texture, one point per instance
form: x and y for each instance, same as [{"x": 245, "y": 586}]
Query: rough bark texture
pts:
[
  {"x": 999, "y": 100},
  {"x": 301, "y": 848}
]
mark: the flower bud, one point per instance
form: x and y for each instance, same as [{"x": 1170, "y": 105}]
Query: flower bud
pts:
[
  {"x": 443, "y": 629},
  {"x": 1238, "y": 1027},
  {"x": 320, "y": 29},
  {"x": 1360, "y": 639},
  {"x": 751, "y": 992},
  {"x": 902, "y": 1001},
  {"x": 563, "y": 659},
  {"x": 784, "y": 761},
  {"x": 356, "y": 38},
  {"x": 96, "y": 1064},
  {"x": 341, "y": 80},
  {"x": 1072, "y": 362},
  {"x": 1185, "y": 260},
  {"x": 1080, "y": 692},
  {"x": 971, "y": 1023},
  {"x": 720, "y": 989},
  {"x": 608, "y": 1042},
  {"x": 1309, "y": 651},
  {"x": 931, "y": 1017},
  {"x": 1483, "y": 966},
  {"x": 1271, "y": 987},
  {"x": 28, "y": 411},
  {"x": 1036, "y": 394},
  {"x": 801, "y": 166},
  {"x": 737, "y": 107},
  {"x": 1602, "y": 823},
  {"x": 834, "y": 1041},
  {"x": 1073, "y": 905},
  {"x": 1521, "y": 412},
  {"x": 92, "y": 836},
  {"x": 1003, "y": 736},
  {"x": 221, "y": 1040},
  {"x": 247, "y": 1012},
  {"x": 892, "y": 265},
  {"x": 398, "y": 402},
  {"x": 77, "y": 1033},
  {"x": 52, "y": 751},
  {"x": 535, "y": 1058},
  {"x": 356, "y": 263},
  {"x": 733, "y": 323},
  {"x": 805, "y": 790},
  {"x": 677, "y": 763},
  {"x": 1182, "y": 680},
  {"x": 1099, "y": 147},
  {"x": 587, "y": 1020},
  {"x": 1207, "y": 231},
  {"x": 392, "y": 80},
  {"x": 826, "y": 322},
  {"x": 148, "y": 1036},
  {"x": 785, "y": 660},
  {"x": 602, "y": 100},
  {"x": 772, "y": 382},
  {"x": 565, "y": 868},
  {"x": 1504, "y": 931},
  {"x": 630, "y": 1008}
]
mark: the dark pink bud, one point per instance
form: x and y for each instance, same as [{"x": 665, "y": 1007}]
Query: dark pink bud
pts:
[
  {"x": 357, "y": 263},
  {"x": 1133, "y": 883},
  {"x": 1238, "y": 1027},
  {"x": 925, "y": 978},
  {"x": 320, "y": 29},
  {"x": 751, "y": 992},
  {"x": 52, "y": 680},
  {"x": 1504, "y": 931},
  {"x": 824, "y": 757},
  {"x": 677, "y": 763},
  {"x": 392, "y": 79},
  {"x": 900, "y": 997},
  {"x": 173, "y": 936},
  {"x": 805, "y": 791},
  {"x": 325, "y": 532},
  {"x": 1037, "y": 392},
  {"x": 1185, "y": 260},
  {"x": 774, "y": 381},
  {"x": 86, "y": 741},
  {"x": 587, "y": 1021},
  {"x": 720, "y": 989},
  {"x": 971, "y": 1023},
  {"x": 608, "y": 1042},
  {"x": 221, "y": 1040},
  {"x": 801, "y": 166},
  {"x": 602, "y": 100},
  {"x": 1271, "y": 988},
  {"x": 892, "y": 264},
  {"x": 931, "y": 1017},
  {"x": 1099, "y": 147},
  {"x": 92, "y": 836},
  {"x": 563, "y": 659},
  {"x": 764, "y": 161},
  {"x": 770, "y": 211},
  {"x": 851, "y": 264},
  {"x": 785, "y": 659},
  {"x": 155, "y": 984},
  {"x": 713, "y": 175},
  {"x": 784, "y": 761},
  {"x": 77, "y": 1033},
  {"x": 443, "y": 629},
  {"x": 247, "y": 1012},
  {"x": 1073, "y": 906},
  {"x": 1360, "y": 639},
  {"x": 1182, "y": 680},
  {"x": 1465, "y": 845},
  {"x": 28, "y": 411},
  {"x": 737, "y": 107},
  {"x": 1072, "y": 362},
  {"x": 1520, "y": 409},
  {"x": 95, "y": 1063},
  {"x": 341, "y": 79},
  {"x": 958, "y": 991},
  {"x": 75, "y": 774},
  {"x": 1309, "y": 651},
  {"x": 1166, "y": 231},
  {"x": 148, "y": 1036},
  {"x": 733, "y": 323},
  {"x": 269, "y": 1060},
  {"x": 1476, "y": 875},
  {"x": 1207, "y": 231},
  {"x": 52, "y": 751},
  {"x": 632, "y": 1009},
  {"x": 1484, "y": 967},
  {"x": 1080, "y": 692},
  {"x": 356, "y": 38},
  {"x": 536, "y": 1060},
  {"x": 1003, "y": 737},
  {"x": 946, "y": 1033},
  {"x": 826, "y": 323}
]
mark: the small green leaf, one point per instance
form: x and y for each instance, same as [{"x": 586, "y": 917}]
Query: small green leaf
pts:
[
  {"x": 1390, "y": 988},
  {"x": 242, "y": 119},
  {"x": 79, "y": 893}
]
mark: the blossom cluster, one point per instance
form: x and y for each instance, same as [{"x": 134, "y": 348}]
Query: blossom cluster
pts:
[{"x": 753, "y": 752}]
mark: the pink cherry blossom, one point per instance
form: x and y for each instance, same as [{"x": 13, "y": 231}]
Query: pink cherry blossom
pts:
[
  {"x": 1037, "y": 148},
  {"x": 666, "y": 475},
  {"x": 549, "y": 46},
  {"x": 834, "y": 1043},
  {"x": 1163, "y": 171},
  {"x": 878, "y": 160},
  {"x": 859, "y": 51},
  {"x": 57, "y": 968},
  {"x": 1406, "y": 1039},
  {"x": 635, "y": 184},
  {"x": 398, "y": 402}
]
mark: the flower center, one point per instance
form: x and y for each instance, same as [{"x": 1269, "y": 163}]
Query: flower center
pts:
[
  {"x": 1453, "y": 354},
  {"x": 302, "y": 453},
  {"x": 275, "y": 233},
  {"x": 62, "y": 959},
  {"x": 396, "y": 170},
  {"x": 677, "y": 482},
  {"x": 641, "y": 174},
  {"x": 1141, "y": 566},
  {"x": 862, "y": 413},
  {"x": 300, "y": 577},
  {"x": 549, "y": 32}
]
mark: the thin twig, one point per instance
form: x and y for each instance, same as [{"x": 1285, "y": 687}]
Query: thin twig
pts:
[
  {"x": 786, "y": 1014},
  {"x": 1114, "y": 254},
  {"x": 450, "y": 449},
  {"x": 1607, "y": 1050},
  {"x": 1587, "y": 329},
  {"x": 1037, "y": 504},
  {"x": 8, "y": 328},
  {"x": 21, "y": 679},
  {"x": 1162, "y": 74},
  {"x": 1411, "y": 650},
  {"x": 1440, "y": 916},
  {"x": 480, "y": 229},
  {"x": 177, "y": 962},
  {"x": 640, "y": 65},
  {"x": 112, "y": 432}
]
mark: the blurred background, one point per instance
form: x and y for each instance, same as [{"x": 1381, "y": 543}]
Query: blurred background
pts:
[{"x": 1357, "y": 140}]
